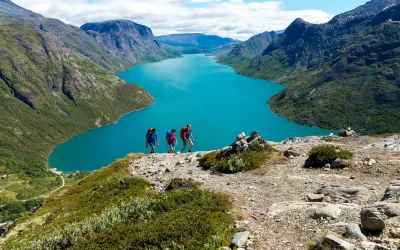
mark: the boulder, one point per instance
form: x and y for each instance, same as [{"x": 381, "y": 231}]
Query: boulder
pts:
[
  {"x": 370, "y": 162},
  {"x": 241, "y": 136},
  {"x": 340, "y": 163},
  {"x": 395, "y": 233},
  {"x": 329, "y": 211},
  {"x": 392, "y": 193},
  {"x": 240, "y": 239},
  {"x": 315, "y": 197},
  {"x": 333, "y": 241},
  {"x": 371, "y": 220},
  {"x": 3, "y": 228},
  {"x": 353, "y": 231},
  {"x": 290, "y": 153},
  {"x": 346, "y": 194}
]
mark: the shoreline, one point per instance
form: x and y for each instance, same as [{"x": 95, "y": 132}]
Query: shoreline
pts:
[{"x": 109, "y": 124}]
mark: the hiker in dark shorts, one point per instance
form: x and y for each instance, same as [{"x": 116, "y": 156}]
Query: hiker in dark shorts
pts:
[
  {"x": 171, "y": 140},
  {"x": 187, "y": 137},
  {"x": 152, "y": 140}
]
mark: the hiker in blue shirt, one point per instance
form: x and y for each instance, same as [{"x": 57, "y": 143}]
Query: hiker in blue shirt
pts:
[{"x": 152, "y": 140}]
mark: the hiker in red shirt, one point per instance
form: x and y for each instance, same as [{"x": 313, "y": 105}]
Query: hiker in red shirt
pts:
[{"x": 187, "y": 137}]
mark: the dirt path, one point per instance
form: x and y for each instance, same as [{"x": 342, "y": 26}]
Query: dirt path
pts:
[{"x": 271, "y": 202}]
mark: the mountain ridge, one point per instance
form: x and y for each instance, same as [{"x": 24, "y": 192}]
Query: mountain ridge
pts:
[
  {"x": 308, "y": 56},
  {"x": 127, "y": 40},
  {"x": 241, "y": 54}
]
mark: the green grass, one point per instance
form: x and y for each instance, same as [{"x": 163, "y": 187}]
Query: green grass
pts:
[
  {"x": 321, "y": 155},
  {"x": 109, "y": 209}
]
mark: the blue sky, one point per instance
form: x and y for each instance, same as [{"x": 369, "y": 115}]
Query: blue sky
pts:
[
  {"x": 329, "y": 6},
  {"x": 239, "y": 19}
]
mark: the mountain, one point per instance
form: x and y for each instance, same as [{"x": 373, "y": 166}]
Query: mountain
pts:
[
  {"x": 244, "y": 52},
  {"x": 196, "y": 42},
  {"x": 55, "y": 81},
  {"x": 342, "y": 73},
  {"x": 129, "y": 41},
  {"x": 223, "y": 51}
]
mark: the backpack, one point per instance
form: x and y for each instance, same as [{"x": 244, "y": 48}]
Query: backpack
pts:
[
  {"x": 183, "y": 130},
  {"x": 148, "y": 132},
  {"x": 168, "y": 135}
]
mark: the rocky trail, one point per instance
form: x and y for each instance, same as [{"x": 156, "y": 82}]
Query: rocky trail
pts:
[{"x": 286, "y": 206}]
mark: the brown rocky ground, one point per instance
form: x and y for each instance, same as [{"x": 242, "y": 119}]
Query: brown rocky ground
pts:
[{"x": 271, "y": 202}]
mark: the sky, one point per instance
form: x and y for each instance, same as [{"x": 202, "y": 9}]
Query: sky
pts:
[{"x": 239, "y": 19}]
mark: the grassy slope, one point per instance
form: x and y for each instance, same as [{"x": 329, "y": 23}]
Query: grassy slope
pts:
[
  {"x": 48, "y": 93},
  {"x": 104, "y": 212}
]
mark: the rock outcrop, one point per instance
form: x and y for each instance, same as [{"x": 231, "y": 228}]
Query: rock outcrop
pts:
[{"x": 245, "y": 143}]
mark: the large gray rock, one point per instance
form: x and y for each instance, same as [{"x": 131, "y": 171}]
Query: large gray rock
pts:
[
  {"x": 240, "y": 239},
  {"x": 353, "y": 231},
  {"x": 329, "y": 211},
  {"x": 291, "y": 153},
  {"x": 332, "y": 241},
  {"x": 371, "y": 220},
  {"x": 315, "y": 197},
  {"x": 392, "y": 193},
  {"x": 346, "y": 194}
]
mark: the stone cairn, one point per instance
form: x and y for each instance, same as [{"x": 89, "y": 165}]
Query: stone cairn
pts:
[
  {"x": 244, "y": 143},
  {"x": 347, "y": 132}
]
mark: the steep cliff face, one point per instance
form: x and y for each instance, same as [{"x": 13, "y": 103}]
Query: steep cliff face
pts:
[
  {"x": 129, "y": 41},
  {"x": 55, "y": 82},
  {"x": 244, "y": 52},
  {"x": 342, "y": 73}
]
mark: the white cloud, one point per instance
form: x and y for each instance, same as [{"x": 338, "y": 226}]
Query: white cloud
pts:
[{"x": 233, "y": 18}]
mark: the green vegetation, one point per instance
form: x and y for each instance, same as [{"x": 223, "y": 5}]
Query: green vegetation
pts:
[
  {"x": 321, "y": 155},
  {"x": 12, "y": 210},
  {"x": 235, "y": 163},
  {"x": 109, "y": 209},
  {"x": 49, "y": 92}
]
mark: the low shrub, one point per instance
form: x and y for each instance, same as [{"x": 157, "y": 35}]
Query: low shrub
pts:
[
  {"x": 209, "y": 160},
  {"x": 235, "y": 163},
  {"x": 178, "y": 183},
  {"x": 321, "y": 155}
]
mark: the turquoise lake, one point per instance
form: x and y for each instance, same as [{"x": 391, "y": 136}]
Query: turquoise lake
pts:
[{"x": 194, "y": 89}]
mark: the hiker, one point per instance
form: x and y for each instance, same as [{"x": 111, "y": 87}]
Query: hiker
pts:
[
  {"x": 171, "y": 140},
  {"x": 187, "y": 137},
  {"x": 152, "y": 140}
]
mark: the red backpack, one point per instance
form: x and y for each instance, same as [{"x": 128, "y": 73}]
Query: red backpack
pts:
[{"x": 183, "y": 130}]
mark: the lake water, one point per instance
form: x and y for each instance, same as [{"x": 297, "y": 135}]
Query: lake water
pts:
[{"x": 194, "y": 89}]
